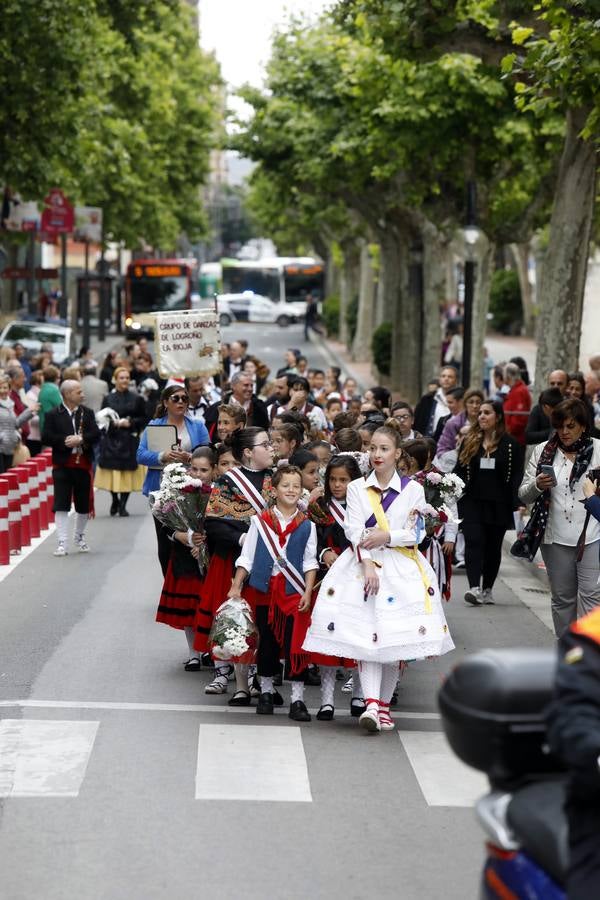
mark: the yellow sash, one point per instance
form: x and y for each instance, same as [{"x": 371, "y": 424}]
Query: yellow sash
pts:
[{"x": 409, "y": 552}]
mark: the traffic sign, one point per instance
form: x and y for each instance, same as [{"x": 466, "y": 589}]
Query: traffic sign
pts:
[{"x": 58, "y": 216}]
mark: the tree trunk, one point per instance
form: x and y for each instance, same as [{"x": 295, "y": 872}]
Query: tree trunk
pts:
[
  {"x": 332, "y": 276},
  {"x": 404, "y": 313},
  {"x": 520, "y": 254},
  {"x": 481, "y": 305},
  {"x": 348, "y": 287},
  {"x": 436, "y": 250},
  {"x": 361, "y": 346},
  {"x": 564, "y": 271}
]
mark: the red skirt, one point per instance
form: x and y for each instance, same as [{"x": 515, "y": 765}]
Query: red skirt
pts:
[
  {"x": 179, "y": 599},
  {"x": 213, "y": 592}
]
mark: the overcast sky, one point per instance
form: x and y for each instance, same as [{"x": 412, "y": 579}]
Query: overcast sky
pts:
[{"x": 239, "y": 31}]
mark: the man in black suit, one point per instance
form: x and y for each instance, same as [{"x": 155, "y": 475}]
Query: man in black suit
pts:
[
  {"x": 71, "y": 430},
  {"x": 241, "y": 393}
]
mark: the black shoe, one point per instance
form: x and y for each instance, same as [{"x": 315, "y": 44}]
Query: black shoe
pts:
[
  {"x": 207, "y": 661},
  {"x": 277, "y": 698},
  {"x": 192, "y": 665},
  {"x": 357, "y": 707},
  {"x": 312, "y": 677},
  {"x": 325, "y": 714},
  {"x": 298, "y": 712},
  {"x": 122, "y": 504},
  {"x": 114, "y": 506},
  {"x": 394, "y": 700},
  {"x": 265, "y": 705},
  {"x": 240, "y": 698}
]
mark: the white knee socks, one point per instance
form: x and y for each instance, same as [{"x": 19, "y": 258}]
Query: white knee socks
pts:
[
  {"x": 370, "y": 678},
  {"x": 327, "y": 685},
  {"x": 81, "y": 520},
  {"x": 62, "y": 527},
  {"x": 389, "y": 680},
  {"x": 190, "y": 634},
  {"x": 297, "y": 691},
  {"x": 241, "y": 677},
  {"x": 266, "y": 684}
]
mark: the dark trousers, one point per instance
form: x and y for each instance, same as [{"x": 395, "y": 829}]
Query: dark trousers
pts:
[
  {"x": 71, "y": 484},
  {"x": 269, "y": 652},
  {"x": 5, "y": 462},
  {"x": 483, "y": 552},
  {"x": 165, "y": 545}
]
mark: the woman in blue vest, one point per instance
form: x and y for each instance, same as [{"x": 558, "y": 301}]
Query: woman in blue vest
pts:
[
  {"x": 280, "y": 557},
  {"x": 171, "y": 410}
]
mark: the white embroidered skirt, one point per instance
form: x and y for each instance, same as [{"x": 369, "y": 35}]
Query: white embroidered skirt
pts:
[{"x": 404, "y": 620}]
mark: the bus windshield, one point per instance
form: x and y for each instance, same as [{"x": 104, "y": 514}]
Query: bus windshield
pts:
[{"x": 150, "y": 294}]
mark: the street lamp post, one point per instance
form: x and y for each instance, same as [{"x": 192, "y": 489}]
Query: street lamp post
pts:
[{"x": 471, "y": 236}]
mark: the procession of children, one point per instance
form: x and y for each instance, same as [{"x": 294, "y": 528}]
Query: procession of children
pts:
[{"x": 304, "y": 566}]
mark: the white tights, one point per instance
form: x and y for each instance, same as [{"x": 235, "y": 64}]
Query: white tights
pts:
[{"x": 378, "y": 680}]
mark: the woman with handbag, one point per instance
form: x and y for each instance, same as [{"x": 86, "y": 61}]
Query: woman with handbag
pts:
[
  {"x": 118, "y": 470},
  {"x": 559, "y": 525}
]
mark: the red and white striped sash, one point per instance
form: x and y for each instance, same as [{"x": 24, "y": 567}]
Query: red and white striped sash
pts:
[
  {"x": 277, "y": 554},
  {"x": 337, "y": 511},
  {"x": 254, "y": 497}
]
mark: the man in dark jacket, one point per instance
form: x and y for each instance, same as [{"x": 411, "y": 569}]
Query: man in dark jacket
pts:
[
  {"x": 433, "y": 407},
  {"x": 538, "y": 424},
  {"x": 574, "y": 735},
  {"x": 241, "y": 393},
  {"x": 71, "y": 430}
]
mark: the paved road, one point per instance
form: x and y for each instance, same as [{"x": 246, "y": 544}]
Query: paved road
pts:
[{"x": 121, "y": 780}]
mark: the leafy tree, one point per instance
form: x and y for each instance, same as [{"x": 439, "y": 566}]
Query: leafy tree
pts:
[{"x": 114, "y": 101}]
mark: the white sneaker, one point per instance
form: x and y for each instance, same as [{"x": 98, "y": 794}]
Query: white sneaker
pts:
[
  {"x": 61, "y": 550},
  {"x": 348, "y": 686},
  {"x": 488, "y": 597},
  {"x": 81, "y": 545},
  {"x": 219, "y": 683},
  {"x": 474, "y": 596}
]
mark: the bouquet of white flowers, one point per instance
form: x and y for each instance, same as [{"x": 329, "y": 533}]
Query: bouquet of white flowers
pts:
[
  {"x": 439, "y": 490},
  {"x": 233, "y": 634},
  {"x": 181, "y": 503}
]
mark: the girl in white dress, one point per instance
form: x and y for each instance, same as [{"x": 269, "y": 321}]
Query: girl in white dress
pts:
[{"x": 380, "y": 603}]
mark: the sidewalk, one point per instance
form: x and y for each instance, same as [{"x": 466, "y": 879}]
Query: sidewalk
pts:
[{"x": 500, "y": 346}]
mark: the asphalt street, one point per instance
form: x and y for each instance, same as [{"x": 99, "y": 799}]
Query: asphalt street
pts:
[{"x": 121, "y": 780}]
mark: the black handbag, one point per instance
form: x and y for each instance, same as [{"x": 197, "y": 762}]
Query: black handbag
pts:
[{"x": 118, "y": 450}]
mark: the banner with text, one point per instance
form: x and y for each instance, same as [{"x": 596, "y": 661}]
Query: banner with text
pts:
[{"x": 187, "y": 343}]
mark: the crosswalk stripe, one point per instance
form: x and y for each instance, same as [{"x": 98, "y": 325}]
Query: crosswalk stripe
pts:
[
  {"x": 444, "y": 780},
  {"x": 251, "y": 762},
  {"x": 44, "y": 758}
]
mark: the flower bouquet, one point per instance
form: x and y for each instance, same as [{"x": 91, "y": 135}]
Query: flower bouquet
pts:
[
  {"x": 180, "y": 505},
  {"x": 233, "y": 634},
  {"x": 440, "y": 491}
]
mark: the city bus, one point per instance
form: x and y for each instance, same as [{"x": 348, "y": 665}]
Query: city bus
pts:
[
  {"x": 284, "y": 279},
  {"x": 156, "y": 285}
]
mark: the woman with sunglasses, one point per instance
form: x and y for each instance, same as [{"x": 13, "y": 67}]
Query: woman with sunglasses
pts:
[
  {"x": 171, "y": 410},
  {"x": 236, "y": 496}
]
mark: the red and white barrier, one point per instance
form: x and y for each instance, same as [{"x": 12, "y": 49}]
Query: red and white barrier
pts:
[
  {"x": 23, "y": 475},
  {"x": 26, "y": 500},
  {"x": 34, "y": 498},
  {"x": 4, "y": 543},
  {"x": 14, "y": 511}
]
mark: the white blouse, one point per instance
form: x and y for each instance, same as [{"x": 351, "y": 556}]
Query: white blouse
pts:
[{"x": 401, "y": 515}]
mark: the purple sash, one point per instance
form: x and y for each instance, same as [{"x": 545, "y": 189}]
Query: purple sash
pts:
[{"x": 387, "y": 502}]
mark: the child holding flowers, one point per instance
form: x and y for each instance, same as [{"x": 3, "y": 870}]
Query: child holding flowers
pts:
[{"x": 180, "y": 505}]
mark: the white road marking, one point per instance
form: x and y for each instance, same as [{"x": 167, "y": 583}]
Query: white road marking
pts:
[
  {"x": 443, "y": 779},
  {"x": 181, "y": 707},
  {"x": 17, "y": 559},
  {"x": 43, "y": 758},
  {"x": 250, "y": 762}
]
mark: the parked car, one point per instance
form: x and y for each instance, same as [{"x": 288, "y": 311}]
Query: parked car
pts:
[
  {"x": 250, "y": 307},
  {"x": 33, "y": 334}
]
